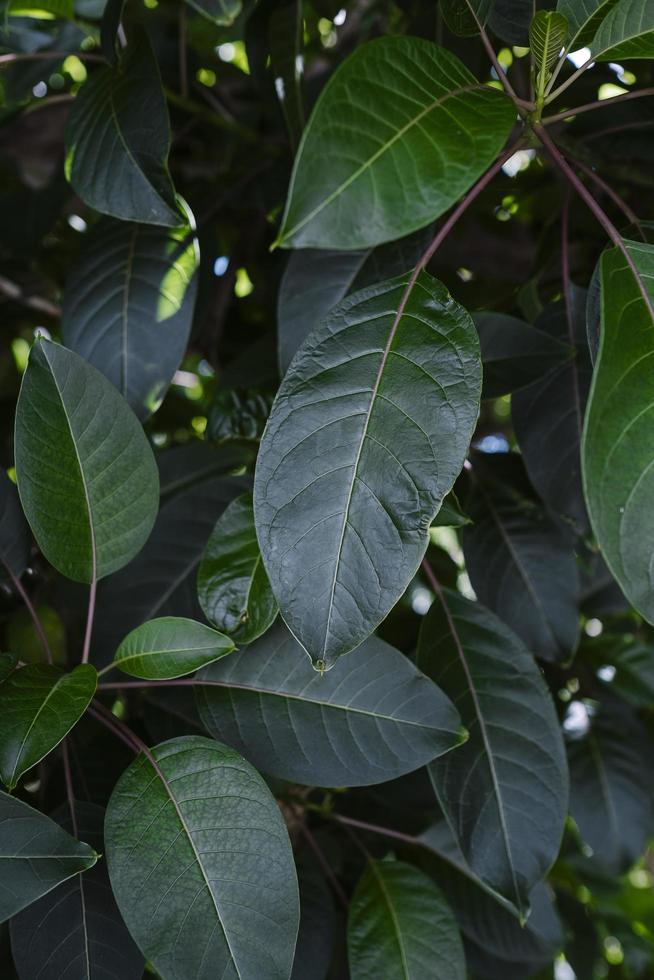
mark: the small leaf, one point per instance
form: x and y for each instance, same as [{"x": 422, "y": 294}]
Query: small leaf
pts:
[
  {"x": 514, "y": 354},
  {"x": 201, "y": 864},
  {"x": 233, "y": 588},
  {"x": 170, "y": 647},
  {"x": 15, "y": 539},
  {"x": 373, "y": 718},
  {"x": 548, "y": 32},
  {"x": 626, "y": 32},
  {"x": 400, "y": 926},
  {"x": 39, "y": 705},
  {"x": 36, "y": 855},
  {"x": 450, "y": 514}
]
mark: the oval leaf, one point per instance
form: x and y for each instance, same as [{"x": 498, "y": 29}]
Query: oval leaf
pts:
[
  {"x": 419, "y": 133},
  {"x": 372, "y": 719},
  {"x": 39, "y": 705},
  {"x": 201, "y": 864},
  {"x": 170, "y": 647},
  {"x": 367, "y": 434},
  {"x": 86, "y": 474}
]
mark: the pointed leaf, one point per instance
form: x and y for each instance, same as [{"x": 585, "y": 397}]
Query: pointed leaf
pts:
[
  {"x": 514, "y": 353},
  {"x": 372, "y": 719},
  {"x": 627, "y": 31},
  {"x": 39, "y": 705},
  {"x": 86, "y": 474},
  {"x": 423, "y": 130},
  {"x": 548, "y": 32},
  {"x": 170, "y": 647},
  {"x": 15, "y": 537},
  {"x": 367, "y": 434},
  {"x": 201, "y": 864}
]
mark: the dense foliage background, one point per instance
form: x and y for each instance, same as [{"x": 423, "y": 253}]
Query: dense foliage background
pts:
[{"x": 469, "y": 791}]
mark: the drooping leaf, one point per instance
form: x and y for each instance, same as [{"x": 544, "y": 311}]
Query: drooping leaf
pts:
[
  {"x": 548, "y": 32},
  {"x": 371, "y": 719},
  {"x": 201, "y": 864},
  {"x": 39, "y": 704},
  {"x": 514, "y": 353},
  {"x": 14, "y": 532},
  {"x": 627, "y": 31},
  {"x": 118, "y": 137},
  {"x": 86, "y": 474},
  {"x": 220, "y": 12},
  {"x": 584, "y": 17},
  {"x": 36, "y": 855},
  {"x": 128, "y": 306},
  {"x": 504, "y": 792},
  {"x": 76, "y": 929},
  {"x": 618, "y": 441},
  {"x": 419, "y": 132},
  {"x": 366, "y": 436},
  {"x": 400, "y": 926},
  {"x": 233, "y": 588},
  {"x": 170, "y": 647}
]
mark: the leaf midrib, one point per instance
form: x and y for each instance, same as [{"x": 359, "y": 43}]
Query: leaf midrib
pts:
[
  {"x": 391, "y": 909},
  {"x": 36, "y": 717}
]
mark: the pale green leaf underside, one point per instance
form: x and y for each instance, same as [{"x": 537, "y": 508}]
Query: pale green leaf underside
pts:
[
  {"x": 170, "y": 646},
  {"x": 547, "y": 36},
  {"x": 584, "y": 17},
  {"x": 626, "y": 32}
]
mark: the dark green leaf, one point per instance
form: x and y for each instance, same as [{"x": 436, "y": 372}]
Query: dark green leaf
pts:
[
  {"x": 372, "y": 718},
  {"x": 170, "y": 647},
  {"x": 86, "y": 474},
  {"x": 39, "y": 705},
  {"x": 514, "y": 354},
  {"x": 184, "y": 467},
  {"x": 15, "y": 537},
  {"x": 286, "y": 37},
  {"x": 548, "y": 32},
  {"x": 233, "y": 588},
  {"x": 36, "y": 855},
  {"x": 221, "y": 12},
  {"x": 627, "y": 31},
  {"x": 418, "y": 135},
  {"x": 201, "y": 864},
  {"x": 367, "y": 434},
  {"x": 8, "y": 662},
  {"x": 128, "y": 306},
  {"x": 504, "y": 792},
  {"x": 313, "y": 952},
  {"x": 450, "y": 514},
  {"x": 584, "y": 17},
  {"x": 400, "y": 926}
]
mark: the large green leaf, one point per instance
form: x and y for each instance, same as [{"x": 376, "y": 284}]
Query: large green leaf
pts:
[
  {"x": 618, "y": 442},
  {"x": 170, "y": 647},
  {"x": 201, "y": 864},
  {"x": 504, "y": 792},
  {"x": 39, "y": 704},
  {"x": 367, "y": 434},
  {"x": 514, "y": 353},
  {"x": 14, "y": 533},
  {"x": 400, "y": 926},
  {"x": 627, "y": 31},
  {"x": 118, "y": 137},
  {"x": 86, "y": 474},
  {"x": 233, "y": 588},
  {"x": 128, "y": 306},
  {"x": 36, "y": 855},
  {"x": 399, "y": 132},
  {"x": 584, "y": 17},
  {"x": 371, "y": 719}
]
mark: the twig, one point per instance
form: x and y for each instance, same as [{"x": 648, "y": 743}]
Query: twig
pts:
[
  {"x": 630, "y": 215},
  {"x": 69, "y": 786},
  {"x": 324, "y": 864},
  {"x": 89, "y": 621},
  {"x": 98, "y": 711},
  {"x": 501, "y": 74},
  {"x": 431, "y": 577},
  {"x": 569, "y": 81},
  {"x": 567, "y": 296},
  {"x": 45, "y": 55},
  {"x": 38, "y": 626},
  {"x": 15, "y": 292},
  {"x": 598, "y": 104}
]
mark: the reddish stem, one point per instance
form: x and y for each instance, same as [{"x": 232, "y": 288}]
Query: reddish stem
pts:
[
  {"x": 69, "y": 786},
  {"x": 598, "y": 104},
  {"x": 38, "y": 626}
]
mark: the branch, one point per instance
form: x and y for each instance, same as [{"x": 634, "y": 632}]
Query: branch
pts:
[
  {"x": 501, "y": 74},
  {"x": 630, "y": 215},
  {"x": 38, "y": 626},
  {"x": 98, "y": 711},
  {"x": 569, "y": 81},
  {"x": 69, "y": 785},
  {"x": 15, "y": 292},
  {"x": 598, "y": 104}
]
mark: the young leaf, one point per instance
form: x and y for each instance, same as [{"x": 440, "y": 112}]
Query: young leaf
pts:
[
  {"x": 128, "y": 306},
  {"x": 233, "y": 588},
  {"x": 366, "y": 436},
  {"x": 547, "y": 36},
  {"x": 627, "y": 31},
  {"x": 201, "y": 864},
  {"x": 618, "y": 441},
  {"x": 400, "y": 926},
  {"x": 373, "y": 718},
  {"x": 170, "y": 647},
  {"x": 36, "y": 855},
  {"x": 15, "y": 537},
  {"x": 503, "y": 793},
  {"x": 86, "y": 474},
  {"x": 39, "y": 705},
  {"x": 118, "y": 137},
  {"x": 418, "y": 134},
  {"x": 514, "y": 353}
]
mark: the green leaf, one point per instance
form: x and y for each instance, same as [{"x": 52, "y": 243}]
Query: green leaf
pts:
[
  {"x": 504, "y": 793},
  {"x": 514, "y": 353},
  {"x": 584, "y": 17},
  {"x": 201, "y": 864},
  {"x": 508, "y": 19},
  {"x": 39, "y": 704},
  {"x": 86, "y": 474},
  {"x": 450, "y": 514},
  {"x": 627, "y": 31},
  {"x": 41, "y": 10},
  {"x": 220, "y": 12},
  {"x": 548, "y": 32},
  {"x": 367, "y": 434},
  {"x": 170, "y": 647},
  {"x": 233, "y": 588},
  {"x": 118, "y": 137},
  {"x": 315, "y": 939},
  {"x": 8, "y": 662},
  {"x": 400, "y": 926},
  {"x": 371, "y": 719},
  {"x": 36, "y": 855},
  {"x": 15, "y": 538},
  {"x": 129, "y": 303},
  {"x": 618, "y": 441},
  {"x": 419, "y": 134}
]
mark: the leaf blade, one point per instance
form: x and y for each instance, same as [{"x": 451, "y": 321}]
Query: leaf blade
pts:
[{"x": 170, "y": 647}]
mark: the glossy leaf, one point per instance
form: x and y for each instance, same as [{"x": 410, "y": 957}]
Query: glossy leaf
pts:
[
  {"x": 39, "y": 705},
  {"x": 233, "y": 588},
  {"x": 170, "y": 647},
  {"x": 415, "y": 102},
  {"x": 400, "y": 926},
  {"x": 547, "y": 36},
  {"x": 129, "y": 303},
  {"x": 201, "y": 864},
  {"x": 36, "y": 855},
  {"x": 371, "y": 719},
  {"x": 367, "y": 434},
  {"x": 627, "y": 31},
  {"x": 15, "y": 537},
  {"x": 584, "y": 17},
  {"x": 86, "y": 474},
  {"x": 514, "y": 354},
  {"x": 504, "y": 792}
]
